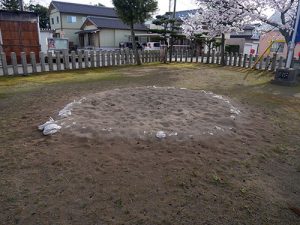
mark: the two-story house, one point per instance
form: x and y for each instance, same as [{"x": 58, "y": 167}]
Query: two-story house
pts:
[{"x": 72, "y": 21}]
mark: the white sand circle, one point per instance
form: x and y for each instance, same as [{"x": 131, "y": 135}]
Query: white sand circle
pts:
[{"x": 147, "y": 112}]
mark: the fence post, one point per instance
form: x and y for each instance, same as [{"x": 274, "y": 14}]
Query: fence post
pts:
[
  {"x": 109, "y": 58},
  {"x": 113, "y": 58},
  {"x": 230, "y": 58},
  {"x": 42, "y": 61},
  {"x": 240, "y": 60},
  {"x": 147, "y": 56},
  {"x": 122, "y": 57},
  {"x": 102, "y": 56},
  {"x": 126, "y": 53},
  {"x": 274, "y": 61},
  {"x": 50, "y": 61},
  {"x": 255, "y": 59},
  {"x": 218, "y": 58},
  {"x": 245, "y": 60},
  {"x": 202, "y": 57},
  {"x": 250, "y": 61},
  {"x": 86, "y": 59},
  {"x": 118, "y": 57},
  {"x": 97, "y": 58},
  {"x": 226, "y": 58},
  {"x": 186, "y": 55},
  {"x": 24, "y": 63},
  {"x": 213, "y": 57},
  {"x": 235, "y": 59},
  {"x": 33, "y": 62},
  {"x": 152, "y": 56},
  {"x": 58, "y": 63},
  {"x": 80, "y": 59},
  {"x": 176, "y": 55},
  {"x": 66, "y": 60},
  {"x": 130, "y": 56},
  {"x": 73, "y": 60},
  {"x": 92, "y": 58},
  {"x": 280, "y": 65},
  {"x": 181, "y": 55},
  {"x": 4, "y": 64},
  {"x": 261, "y": 63},
  {"x": 267, "y": 63},
  {"x": 14, "y": 63}
]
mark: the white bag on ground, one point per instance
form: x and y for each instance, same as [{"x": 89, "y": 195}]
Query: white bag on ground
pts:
[
  {"x": 50, "y": 121},
  {"x": 51, "y": 129}
]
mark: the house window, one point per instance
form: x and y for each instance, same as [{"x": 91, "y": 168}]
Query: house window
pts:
[
  {"x": 52, "y": 20},
  {"x": 277, "y": 47},
  {"x": 57, "y": 19},
  {"x": 71, "y": 19}
]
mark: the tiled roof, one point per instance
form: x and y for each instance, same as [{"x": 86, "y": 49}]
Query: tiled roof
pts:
[
  {"x": 113, "y": 23},
  {"x": 66, "y": 7},
  {"x": 185, "y": 13}
]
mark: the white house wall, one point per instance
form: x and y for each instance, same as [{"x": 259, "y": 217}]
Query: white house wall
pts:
[
  {"x": 110, "y": 38},
  {"x": 107, "y": 38},
  {"x": 43, "y": 40}
]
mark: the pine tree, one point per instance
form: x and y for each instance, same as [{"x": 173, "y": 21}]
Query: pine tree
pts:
[
  {"x": 132, "y": 12},
  {"x": 11, "y": 5}
]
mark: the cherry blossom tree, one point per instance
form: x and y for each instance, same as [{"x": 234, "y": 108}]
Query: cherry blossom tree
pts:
[
  {"x": 257, "y": 10},
  {"x": 214, "y": 19}
]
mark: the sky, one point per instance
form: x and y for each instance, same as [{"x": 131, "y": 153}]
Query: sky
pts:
[{"x": 163, "y": 5}]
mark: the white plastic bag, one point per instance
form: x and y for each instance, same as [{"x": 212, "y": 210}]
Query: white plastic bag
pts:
[
  {"x": 50, "y": 121},
  {"x": 51, "y": 129},
  {"x": 161, "y": 134}
]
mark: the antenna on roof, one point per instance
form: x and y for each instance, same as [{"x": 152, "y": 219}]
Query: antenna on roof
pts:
[{"x": 21, "y": 5}]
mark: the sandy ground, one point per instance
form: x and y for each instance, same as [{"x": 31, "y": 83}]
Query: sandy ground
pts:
[
  {"x": 145, "y": 112},
  {"x": 247, "y": 172}
]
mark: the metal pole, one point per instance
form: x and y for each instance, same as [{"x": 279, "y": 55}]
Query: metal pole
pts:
[
  {"x": 170, "y": 1},
  {"x": 174, "y": 12},
  {"x": 292, "y": 43}
]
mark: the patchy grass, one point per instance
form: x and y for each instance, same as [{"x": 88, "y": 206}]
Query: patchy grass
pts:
[{"x": 59, "y": 181}]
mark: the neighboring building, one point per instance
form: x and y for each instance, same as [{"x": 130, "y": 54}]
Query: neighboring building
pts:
[
  {"x": 185, "y": 13},
  {"x": 103, "y": 32},
  {"x": 44, "y": 35},
  {"x": 272, "y": 41},
  {"x": 19, "y": 32},
  {"x": 81, "y": 24},
  {"x": 244, "y": 42},
  {"x": 67, "y": 18}
]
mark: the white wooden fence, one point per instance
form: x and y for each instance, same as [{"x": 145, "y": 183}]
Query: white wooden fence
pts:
[
  {"x": 73, "y": 61},
  {"x": 93, "y": 59}
]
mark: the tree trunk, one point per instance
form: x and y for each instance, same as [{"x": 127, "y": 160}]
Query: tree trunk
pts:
[
  {"x": 135, "y": 50},
  {"x": 223, "y": 63}
]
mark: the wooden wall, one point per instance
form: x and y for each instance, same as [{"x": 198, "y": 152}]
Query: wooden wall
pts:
[{"x": 20, "y": 36}]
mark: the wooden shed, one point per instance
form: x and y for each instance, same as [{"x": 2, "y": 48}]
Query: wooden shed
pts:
[{"x": 19, "y": 32}]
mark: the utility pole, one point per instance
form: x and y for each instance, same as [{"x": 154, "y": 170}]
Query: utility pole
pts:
[
  {"x": 170, "y": 2},
  {"x": 292, "y": 43},
  {"x": 21, "y": 5},
  {"x": 172, "y": 29},
  {"x": 288, "y": 76}
]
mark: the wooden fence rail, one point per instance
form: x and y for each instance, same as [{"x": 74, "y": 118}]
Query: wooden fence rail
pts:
[{"x": 92, "y": 59}]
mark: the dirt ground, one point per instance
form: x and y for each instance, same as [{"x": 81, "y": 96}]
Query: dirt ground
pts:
[{"x": 250, "y": 175}]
